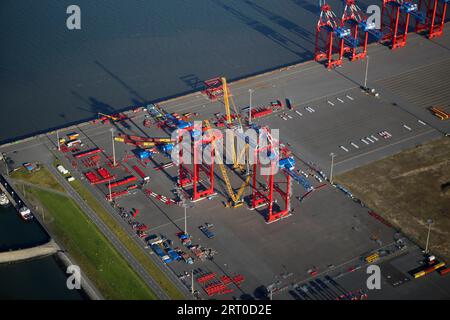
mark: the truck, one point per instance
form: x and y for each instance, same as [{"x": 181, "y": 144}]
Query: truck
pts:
[
  {"x": 73, "y": 136},
  {"x": 62, "y": 170},
  {"x": 207, "y": 232},
  {"x": 289, "y": 104},
  {"x": 161, "y": 253},
  {"x": 173, "y": 254},
  {"x": 144, "y": 177},
  {"x": 72, "y": 143}
]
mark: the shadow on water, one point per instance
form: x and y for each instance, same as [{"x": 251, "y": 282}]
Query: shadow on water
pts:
[
  {"x": 193, "y": 81},
  {"x": 268, "y": 32},
  {"x": 94, "y": 106},
  {"x": 308, "y": 6},
  {"x": 131, "y": 90},
  {"x": 283, "y": 22}
]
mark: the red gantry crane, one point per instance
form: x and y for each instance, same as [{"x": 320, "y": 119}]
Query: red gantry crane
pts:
[
  {"x": 395, "y": 17},
  {"x": 263, "y": 192},
  {"x": 355, "y": 19},
  {"x": 434, "y": 12},
  {"x": 201, "y": 187},
  {"x": 331, "y": 37}
]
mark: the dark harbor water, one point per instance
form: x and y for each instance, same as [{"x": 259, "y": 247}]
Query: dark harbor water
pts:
[
  {"x": 40, "y": 279},
  {"x": 135, "y": 51},
  {"x": 18, "y": 234}
]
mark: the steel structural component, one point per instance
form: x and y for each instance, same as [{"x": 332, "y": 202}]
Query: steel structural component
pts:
[
  {"x": 330, "y": 38},
  {"x": 201, "y": 188},
  {"x": 434, "y": 12},
  {"x": 263, "y": 191},
  {"x": 395, "y": 17},
  {"x": 355, "y": 19}
]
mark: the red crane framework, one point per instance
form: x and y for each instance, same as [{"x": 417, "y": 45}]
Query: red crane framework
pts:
[
  {"x": 355, "y": 19},
  {"x": 328, "y": 43},
  {"x": 434, "y": 12},
  {"x": 263, "y": 192},
  {"x": 395, "y": 17},
  {"x": 201, "y": 177}
]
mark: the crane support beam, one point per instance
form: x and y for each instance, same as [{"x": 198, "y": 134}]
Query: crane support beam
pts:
[{"x": 434, "y": 12}]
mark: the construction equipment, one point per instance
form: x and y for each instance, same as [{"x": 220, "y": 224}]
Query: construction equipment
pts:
[
  {"x": 263, "y": 193},
  {"x": 214, "y": 88},
  {"x": 440, "y": 113},
  {"x": 142, "y": 142},
  {"x": 395, "y": 17},
  {"x": 434, "y": 12},
  {"x": 226, "y": 100},
  {"x": 117, "y": 117},
  {"x": 235, "y": 198},
  {"x": 355, "y": 19},
  {"x": 201, "y": 188},
  {"x": 73, "y": 136},
  {"x": 330, "y": 37},
  {"x": 207, "y": 232},
  {"x": 288, "y": 165}
]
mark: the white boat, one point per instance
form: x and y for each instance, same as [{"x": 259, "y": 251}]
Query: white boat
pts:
[
  {"x": 4, "y": 201},
  {"x": 25, "y": 213}
]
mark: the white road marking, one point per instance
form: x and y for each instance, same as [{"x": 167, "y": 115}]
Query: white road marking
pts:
[
  {"x": 406, "y": 127},
  {"x": 384, "y": 147},
  {"x": 349, "y": 97},
  {"x": 354, "y": 145},
  {"x": 340, "y": 100},
  {"x": 330, "y": 103}
]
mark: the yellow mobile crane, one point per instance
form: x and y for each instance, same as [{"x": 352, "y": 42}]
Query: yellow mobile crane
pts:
[
  {"x": 226, "y": 100},
  {"x": 235, "y": 198},
  {"x": 113, "y": 118}
]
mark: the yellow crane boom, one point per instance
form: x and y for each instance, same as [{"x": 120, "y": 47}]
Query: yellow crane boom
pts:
[{"x": 236, "y": 198}]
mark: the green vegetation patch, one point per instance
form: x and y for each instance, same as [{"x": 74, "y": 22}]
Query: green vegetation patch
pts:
[
  {"x": 409, "y": 188},
  {"x": 120, "y": 233},
  {"x": 103, "y": 265},
  {"x": 40, "y": 176}
]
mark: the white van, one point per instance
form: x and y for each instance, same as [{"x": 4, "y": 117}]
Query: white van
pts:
[{"x": 62, "y": 169}]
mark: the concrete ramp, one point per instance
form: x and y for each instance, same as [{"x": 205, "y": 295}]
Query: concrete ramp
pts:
[{"x": 48, "y": 248}]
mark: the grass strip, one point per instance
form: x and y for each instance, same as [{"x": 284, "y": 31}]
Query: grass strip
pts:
[
  {"x": 97, "y": 258},
  {"x": 120, "y": 233}
]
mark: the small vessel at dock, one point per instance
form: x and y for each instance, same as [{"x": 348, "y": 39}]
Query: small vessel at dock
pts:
[
  {"x": 25, "y": 213},
  {"x": 4, "y": 201}
]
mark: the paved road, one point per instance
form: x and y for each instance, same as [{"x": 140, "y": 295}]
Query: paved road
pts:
[
  {"x": 305, "y": 84},
  {"x": 116, "y": 242},
  {"x": 126, "y": 254}
]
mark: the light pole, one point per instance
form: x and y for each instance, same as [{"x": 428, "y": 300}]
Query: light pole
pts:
[
  {"x": 192, "y": 281},
  {"x": 429, "y": 222},
  {"x": 331, "y": 168},
  {"x": 250, "y": 91},
  {"x": 110, "y": 193},
  {"x": 113, "y": 147},
  {"x": 367, "y": 70},
  {"x": 185, "y": 206},
  {"x": 57, "y": 140},
  {"x": 185, "y": 219},
  {"x": 3, "y": 157}
]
